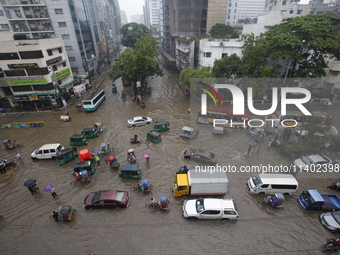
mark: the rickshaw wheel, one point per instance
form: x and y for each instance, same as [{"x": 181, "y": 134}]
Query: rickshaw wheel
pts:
[
  {"x": 74, "y": 183},
  {"x": 134, "y": 189}
]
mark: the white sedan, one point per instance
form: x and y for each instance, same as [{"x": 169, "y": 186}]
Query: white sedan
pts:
[
  {"x": 313, "y": 163},
  {"x": 139, "y": 121},
  {"x": 210, "y": 209}
]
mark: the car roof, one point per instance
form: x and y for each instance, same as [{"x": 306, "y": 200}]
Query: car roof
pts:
[
  {"x": 202, "y": 152},
  {"x": 49, "y": 146},
  {"x": 108, "y": 194},
  {"x": 318, "y": 157},
  {"x": 188, "y": 129},
  {"x": 217, "y": 203},
  {"x": 130, "y": 167}
]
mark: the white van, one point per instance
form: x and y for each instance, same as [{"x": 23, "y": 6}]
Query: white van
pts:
[
  {"x": 273, "y": 183},
  {"x": 47, "y": 151}
]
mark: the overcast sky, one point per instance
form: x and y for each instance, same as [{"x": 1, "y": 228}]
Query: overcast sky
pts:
[{"x": 131, "y": 7}]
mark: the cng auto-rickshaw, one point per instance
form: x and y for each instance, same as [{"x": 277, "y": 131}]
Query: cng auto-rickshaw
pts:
[
  {"x": 66, "y": 155},
  {"x": 130, "y": 171},
  {"x": 90, "y": 133},
  {"x": 189, "y": 132},
  {"x": 154, "y": 136},
  {"x": 85, "y": 155},
  {"x": 66, "y": 212},
  {"x": 87, "y": 165},
  {"x": 161, "y": 126},
  {"x": 76, "y": 140}
]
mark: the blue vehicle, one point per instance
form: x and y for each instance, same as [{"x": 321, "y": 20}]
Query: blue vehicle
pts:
[
  {"x": 92, "y": 101},
  {"x": 313, "y": 200}
]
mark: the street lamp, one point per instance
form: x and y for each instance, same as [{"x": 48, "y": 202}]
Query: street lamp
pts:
[{"x": 86, "y": 67}]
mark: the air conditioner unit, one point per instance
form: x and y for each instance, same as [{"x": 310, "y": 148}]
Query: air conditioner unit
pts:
[{"x": 221, "y": 44}]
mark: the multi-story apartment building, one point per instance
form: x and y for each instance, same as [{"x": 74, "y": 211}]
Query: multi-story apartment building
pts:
[
  {"x": 33, "y": 72},
  {"x": 81, "y": 24}
]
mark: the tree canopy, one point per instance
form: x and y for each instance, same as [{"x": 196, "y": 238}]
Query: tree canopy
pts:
[
  {"x": 227, "y": 67},
  {"x": 303, "y": 41},
  {"x": 138, "y": 63},
  {"x": 222, "y": 31},
  {"x": 131, "y": 32}
]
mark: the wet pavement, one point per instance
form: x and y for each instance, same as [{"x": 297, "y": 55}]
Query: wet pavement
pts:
[{"x": 27, "y": 229}]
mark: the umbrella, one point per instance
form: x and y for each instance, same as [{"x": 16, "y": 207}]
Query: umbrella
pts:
[
  {"x": 48, "y": 187},
  {"x": 96, "y": 152},
  {"x": 145, "y": 155},
  {"x": 30, "y": 183},
  {"x": 252, "y": 143}
]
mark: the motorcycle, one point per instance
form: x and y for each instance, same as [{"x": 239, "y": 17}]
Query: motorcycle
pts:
[
  {"x": 332, "y": 244},
  {"x": 132, "y": 140},
  {"x": 334, "y": 186},
  {"x": 114, "y": 88},
  {"x": 123, "y": 93}
]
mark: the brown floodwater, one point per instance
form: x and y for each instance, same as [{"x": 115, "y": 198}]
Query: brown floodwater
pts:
[{"x": 27, "y": 229}]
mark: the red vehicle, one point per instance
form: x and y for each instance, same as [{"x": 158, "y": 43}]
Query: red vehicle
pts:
[
  {"x": 107, "y": 199},
  {"x": 202, "y": 156},
  {"x": 85, "y": 155}
]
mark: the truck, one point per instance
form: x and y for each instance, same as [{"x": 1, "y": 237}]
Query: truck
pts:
[
  {"x": 313, "y": 200},
  {"x": 196, "y": 182}
]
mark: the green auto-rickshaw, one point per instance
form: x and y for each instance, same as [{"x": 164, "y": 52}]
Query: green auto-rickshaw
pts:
[
  {"x": 87, "y": 165},
  {"x": 66, "y": 155},
  {"x": 154, "y": 136},
  {"x": 161, "y": 126},
  {"x": 90, "y": 133},
  {"x": 76, "y": 140},
  {"x": 130, "y": 171}
]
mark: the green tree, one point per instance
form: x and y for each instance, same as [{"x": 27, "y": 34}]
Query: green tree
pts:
[
  {"x": 138, "y": 63},
  {"x": 303, "y": 42},
  {"x": 132, "y": 32},
  {"x": 227, "y": 67},
  {"x": 254, "y": 60},
  {"x": 259, "y": 87},
  {"x": 190, "y": 73},
  {"x": 221, "y": 31}
]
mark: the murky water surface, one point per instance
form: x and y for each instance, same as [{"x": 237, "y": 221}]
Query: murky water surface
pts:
[{"x": 27, "y": 229}]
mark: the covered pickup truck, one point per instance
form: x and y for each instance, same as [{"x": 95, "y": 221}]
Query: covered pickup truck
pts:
[
  {"x": 313, "y": 200},
  {"x": 199, "y": 183}
]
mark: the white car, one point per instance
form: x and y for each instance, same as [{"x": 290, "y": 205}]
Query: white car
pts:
[
  {"x": 210, "y": 209},
  {"x": 312, "y": 163},
  {"x": 47, "y": 151},
  {"x": 139, "y": 121}
]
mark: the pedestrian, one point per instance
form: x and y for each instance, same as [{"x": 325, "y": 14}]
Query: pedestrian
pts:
[
  {"x": 189, "y": 110},
  {"x": 31, "y": 189},
  {"x": 147, "y": 159},
  {"x": 55, "y": 216},
  {"x": 96, "y": 157},
  {"x": 168, "y": 123},
  {"x": 52, "y": 191},
  {"x": 18, "y": 156},
  {"x": 35, "y": 187}
]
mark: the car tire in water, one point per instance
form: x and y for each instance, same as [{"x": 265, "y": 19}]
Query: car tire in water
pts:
[{"x": 192, "y": 218}]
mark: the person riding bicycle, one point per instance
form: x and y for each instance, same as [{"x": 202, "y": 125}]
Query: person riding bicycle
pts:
[
  {"x": 78, "y": 177},
  {"x": 153, "y": 202}
]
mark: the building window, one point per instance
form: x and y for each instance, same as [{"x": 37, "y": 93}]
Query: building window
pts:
[
  {"x": 4, "y": 26},
  {"x": 275, "y": 3},
  {"x": 229, "y": 4},
  {"x": 299, "y": 11},
  {"x": 68, "y": 48},
  {"x": 72, "y": 59},
  {"x": 229, "y": 10},
  {"x": 31, "y": 54},
  {"x": 8, "y": 56},
  {"x": 236, "y": 4},
  {"x": 235, "y": 11},
  {"x": 58, "y": 11},
  {"x": 284, "y": 2},
  {"x": 60, "y": 50},
  {"x": 65, "y": 36},
  {"x": 224, "y": 54},
  {"x": 49, "y": 52},
  {"x": 37, "y": 71},
  {"x": 2, "y": 13},
  {"x": 228, "y": 16},
  {"x": 62, "y": 24},
  {"x": 207, "y": 54},
  {"x": 10, "y": 73},
  {"x": 291, "y": 11}
]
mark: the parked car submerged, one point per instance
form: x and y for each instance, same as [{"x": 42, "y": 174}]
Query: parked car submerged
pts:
[
  {"x": 202, "y": 156},
  {"x": 311, "y": 162},
  {"x": 331, "y": 221},
  {"x": 210, "y": 209},
  {"x": 107, "y": 199},
  {"x": 139, "y": 121}
]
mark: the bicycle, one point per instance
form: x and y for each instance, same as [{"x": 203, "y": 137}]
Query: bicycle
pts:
[
  {"x": 152, "y": 206},
  {"x": 76, "y": 182}
]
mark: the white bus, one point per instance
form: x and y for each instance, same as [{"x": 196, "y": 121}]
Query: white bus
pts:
[
  {"x": 273, "y": 183},
  {"x": 92, "y": 101}
]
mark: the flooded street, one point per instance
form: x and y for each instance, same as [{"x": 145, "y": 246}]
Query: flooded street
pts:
[{"x": 261, "y": 229}]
